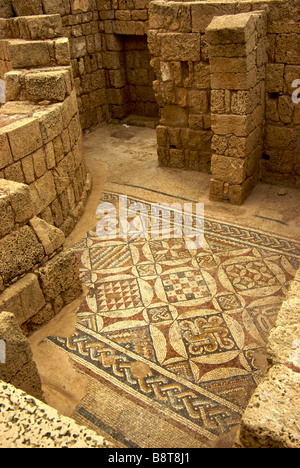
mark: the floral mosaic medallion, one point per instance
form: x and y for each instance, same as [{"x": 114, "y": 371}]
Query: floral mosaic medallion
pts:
[{"x": 180, "y": 329}]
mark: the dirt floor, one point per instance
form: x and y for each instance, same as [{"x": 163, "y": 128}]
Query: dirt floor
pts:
[{"x": 121, "y": 156}]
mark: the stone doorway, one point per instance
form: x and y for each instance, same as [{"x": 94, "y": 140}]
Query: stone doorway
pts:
[
  {"x": 139, "y": 76},
  {"x": 130, "y": 78}
]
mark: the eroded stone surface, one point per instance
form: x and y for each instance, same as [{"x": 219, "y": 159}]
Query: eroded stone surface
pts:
[{"x": 27, "y": 422}]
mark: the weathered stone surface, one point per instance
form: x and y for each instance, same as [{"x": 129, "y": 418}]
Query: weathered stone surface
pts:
[
  {"x": 51, "y": 123},
  {"x": 180, "y": 46},
  {"x": 203, "y": 13},
  {"x": 23, "y": 298},
  {"x": 27, "y": 54},
  {"x": 5, "y": 9},
  {"x": 271, "y": 419},
  {"x": 6, "y": 156},
  {"x": 60, "y": 274},
  {"x": 41, "y": 26},
  {"x": 18, "y": 133},
  {"x": 26, "y": 421},
  {"x": 20, "y": 251},
  {"x": 43, "y": 192},
  {"x": 30, "y": 7},
  {"x": 51, "y": 237},
  {"x": 230, "y": 29},
  {"x": 50, "y": 85},
  {"x": 19, "y": 198},
  {"x": 19, "y": 368}
]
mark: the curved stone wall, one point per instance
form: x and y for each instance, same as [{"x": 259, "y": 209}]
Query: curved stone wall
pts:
[{"x": 40, "y": 131}]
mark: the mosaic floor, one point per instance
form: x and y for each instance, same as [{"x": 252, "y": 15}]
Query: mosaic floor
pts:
[{"x": 178, "y": 329}]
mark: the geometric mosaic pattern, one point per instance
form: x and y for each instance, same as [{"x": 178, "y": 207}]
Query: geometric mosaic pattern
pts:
[{"x": 192, "y": 320}]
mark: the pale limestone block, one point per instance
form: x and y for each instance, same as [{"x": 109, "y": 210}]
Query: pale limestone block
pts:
[
  {"x": 23, "y": 298},
  {"x": 272, "y": 417},
  {"x": 28, "y": 54},
  {"x": 19, "y": 198},
  {"x": 50, "y": 237},
  {"x": 18, "y": 133},
  {"x": 51, "y": 122},
  {"x": 43, "y": 192},
  {"x": 59, "y": 274},
  {"x": 20, "y": 251},
  {"x": 180, "y": 46}
]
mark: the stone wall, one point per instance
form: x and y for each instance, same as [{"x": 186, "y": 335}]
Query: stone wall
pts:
[
  {"x": 98, "y": 31},
  {"x": 198, "y": 92},
  {"x": 95, "y": 29},
  {"x": 40, "y": 132},
  {"x": 37, "y": 276}
]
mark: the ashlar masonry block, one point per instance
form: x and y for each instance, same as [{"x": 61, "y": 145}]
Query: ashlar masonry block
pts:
[{"x": 24, "y": 298}]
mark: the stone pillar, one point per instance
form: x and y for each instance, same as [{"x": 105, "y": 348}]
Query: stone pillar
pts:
[{"x": 237, "y": 49}]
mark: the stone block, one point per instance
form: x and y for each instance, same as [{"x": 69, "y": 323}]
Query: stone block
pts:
[
  {"x": 18, "y": 133},
  {"x": 49, "y": 236},
  {"x": 30, "y": 7},
  {"x": 174, "y": 116},
  {"x": 203, "y": 13},
  {"x": 18, "y": 351},
  {"x": 6, "y": 156},
  {"x": 19, "y": 369},
  {"x": 64, "y": 173},
  {"x": 41, "y": 318},
  {"x": 14, "y": 172},
  {"x": 216, "y": 190},
  {"x": 6, "y": 215},
  {"x": 23, "y": 298},
  {"x": 62, "y": 51},
  {"x": 20, "y": 251},
  {"x": 171, "y": 15},
  {"x": 50, "y": 85},
  {"x": 41, "y": 26},
  {"x": 59, "y": 274},
  {"x": 180, "y": 46},
  {"x": 196, "y": 139},
  {"x": 29, "y": 54},
  {"x": 43, "y": 192},
  {"x": 271, "y": 419},
  {"x": 274, "y": 77},
  {"x": 226, "y": 124},
  {"x": 51, "y": 122},
  {"x": 78, "y": 47},
  {"x": 177, "y": 158},
  {"x": 231, "y": 29},
  {"x": 288, "y": 49},
  {"x": 5, "y": 9},
  {"x": 234, "y": 81},
  {"x": 227, "y": 169},
  {"x": 237, "y": 194},
  {"x": 19, "y": 198},
  {"x": 202, "y": 75},
  {"x": 280, "y": 137},
  {"x": 69, "y": 109}
]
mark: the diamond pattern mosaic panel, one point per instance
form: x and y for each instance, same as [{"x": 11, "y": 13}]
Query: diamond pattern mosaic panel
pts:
[{"x": 194, "y": 320}]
